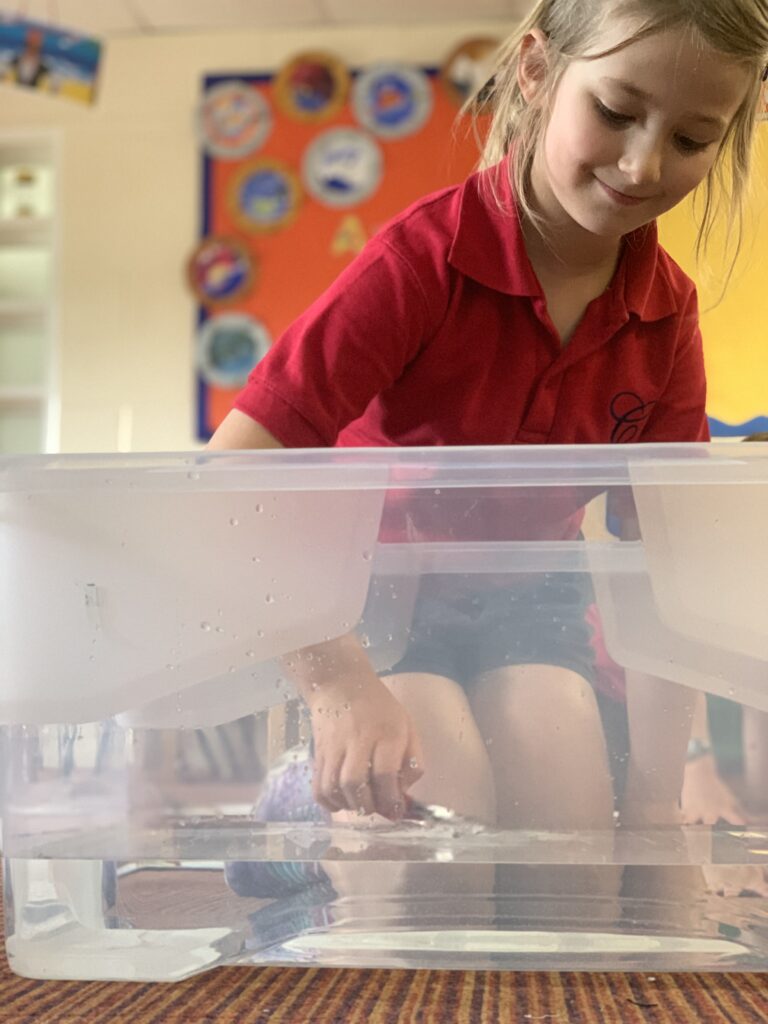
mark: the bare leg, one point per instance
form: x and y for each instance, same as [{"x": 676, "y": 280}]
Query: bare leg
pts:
[
  {"x": 756, "y": 760},
  {"x": 660, "y": 721},
  {"x": 548, "y": 751},
  {"x": 458, "y": 775}
]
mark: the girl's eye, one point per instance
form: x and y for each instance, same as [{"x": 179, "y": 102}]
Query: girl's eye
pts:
[
  {"x": 612, "y": 116},
  {"x": 691, "y": 146}
]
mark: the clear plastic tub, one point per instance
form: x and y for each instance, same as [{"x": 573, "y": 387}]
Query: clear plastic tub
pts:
[{"x": 158, "y": 817}]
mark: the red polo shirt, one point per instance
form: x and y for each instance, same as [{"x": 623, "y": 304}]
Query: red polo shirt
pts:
[{"x": 438, "y": 334}]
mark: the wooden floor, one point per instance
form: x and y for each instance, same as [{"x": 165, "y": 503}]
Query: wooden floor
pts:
[{"x": 250, "y": 995}]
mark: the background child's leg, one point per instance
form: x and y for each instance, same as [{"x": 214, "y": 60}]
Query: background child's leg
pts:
[
  {"x": 457, "y": 775},
  {"x": 547, "y": 746},
  {"x": 756, "y": 760}
]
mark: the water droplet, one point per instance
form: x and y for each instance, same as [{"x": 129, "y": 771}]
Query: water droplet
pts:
[
  {"x": 367, "y": 556},
  {"x": 193, "y": 476},
  {"x": 347, "y": 706},
  {"x": 234, "y": 522},
  {"x": 438, "y": 491},
  {"x": 206, "y": 627},
  {"x": 269, "y": 598},
  {"x": 231, "y": 669},
  {"x": 250, "y": 654},
  {"x": 259, "y": 508},
  {"x": 260, "y": 633},
  {"x": 365, "y": 640},
  {"x": 219, "y": 629},
  {"x": 413, "y": 763}
]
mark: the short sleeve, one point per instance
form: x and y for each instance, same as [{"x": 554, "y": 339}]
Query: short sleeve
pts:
[
  {"x": 680, "y": 414},
  {"x": 350, "y": 345}
]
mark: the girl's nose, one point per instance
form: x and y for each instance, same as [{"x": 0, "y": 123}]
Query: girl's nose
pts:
[{"x": 641, "y": 165}]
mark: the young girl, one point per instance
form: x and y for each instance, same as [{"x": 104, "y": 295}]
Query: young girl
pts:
[{"x": 531, "y": 305}]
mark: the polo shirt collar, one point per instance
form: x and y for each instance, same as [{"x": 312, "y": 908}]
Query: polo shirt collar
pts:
[{"x": 488, "y": 246}]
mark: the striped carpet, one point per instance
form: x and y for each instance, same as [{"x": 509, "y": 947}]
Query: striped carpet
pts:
[
  {"x": 241, "y": 995},
  {"x": 296, "y": 996}
]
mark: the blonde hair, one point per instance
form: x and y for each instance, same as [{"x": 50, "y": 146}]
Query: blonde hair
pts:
[{"x": 736, "y": 28}]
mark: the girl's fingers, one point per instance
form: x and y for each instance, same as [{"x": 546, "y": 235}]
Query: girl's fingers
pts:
[
  {"x": 325, "y": 785},
  {"x": 387, "y": 781},
  {"x": 355, "y": 780}
]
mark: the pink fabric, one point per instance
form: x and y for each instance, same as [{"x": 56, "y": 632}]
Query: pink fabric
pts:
[{"x": 609, "y": 677}]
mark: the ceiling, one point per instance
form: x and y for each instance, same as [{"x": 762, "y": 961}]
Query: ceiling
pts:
[{"x": 135, "y": 17}]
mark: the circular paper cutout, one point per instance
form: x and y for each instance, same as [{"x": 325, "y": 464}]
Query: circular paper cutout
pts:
[
  {"x": 343, "y": 167},
  {"x": 229, "y": 346},
  {"x": 392, "y": 100},
  {"x": 234, "y": 120},
  {"x": 312, "y": 87},
  {"x": 220, "y": 271},
  {"x": 469, "y": 67},
  {"x": 264, "y": 196}
]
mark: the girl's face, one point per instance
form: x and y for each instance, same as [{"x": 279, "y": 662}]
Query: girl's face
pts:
[{"x": 630, "y": 135}]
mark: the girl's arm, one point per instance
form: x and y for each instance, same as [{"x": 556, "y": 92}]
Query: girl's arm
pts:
[
  {"x": 367, "y": 753},
  {"x": 240, "y": 431}
]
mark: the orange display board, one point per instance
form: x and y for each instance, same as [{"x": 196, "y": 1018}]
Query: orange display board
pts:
[{"x": 295, "y": 262}]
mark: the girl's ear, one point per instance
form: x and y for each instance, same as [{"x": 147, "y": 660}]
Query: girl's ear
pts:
[{"x": 533, "y": 64}]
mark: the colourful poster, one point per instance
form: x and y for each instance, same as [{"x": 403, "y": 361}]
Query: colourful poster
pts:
[
  {"x": 316, "y": 188},
  {"x": 49, "y": 59}
]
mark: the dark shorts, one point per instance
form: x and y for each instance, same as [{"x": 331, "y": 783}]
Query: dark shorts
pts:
[{"x": 463, "y": 626}]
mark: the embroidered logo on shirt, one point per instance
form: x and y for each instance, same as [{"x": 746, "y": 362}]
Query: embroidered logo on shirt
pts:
[{"x": 630, "y": 414}]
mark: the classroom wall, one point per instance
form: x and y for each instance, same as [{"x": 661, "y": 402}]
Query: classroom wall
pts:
[
  {"x": 130, "y": 205},
  {"x": 129, "y": 209},
  {"x": 735, "y": 329}
]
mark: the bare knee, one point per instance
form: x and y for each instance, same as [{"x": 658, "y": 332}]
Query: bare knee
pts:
[
  {"x": 457, "y": 770},
  {"x": 535, "y": 693}
]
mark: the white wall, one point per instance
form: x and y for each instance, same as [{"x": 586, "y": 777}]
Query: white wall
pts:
[{"x": 129, "y": 207}]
